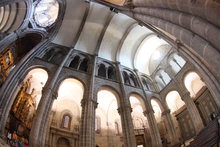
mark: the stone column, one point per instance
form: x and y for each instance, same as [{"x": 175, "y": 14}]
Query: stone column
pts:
[
  {"x": 125, "y": 113},
  {"x": 155, "y": 134},
  {"x": 156, "y": 139},
  {"x": 170, "y": 71},
  {"x": 87, "y": 124},
  {"x": 40, "y": 123},
  {"x": 170, "y": 127},
  {"x": 193, "y": 111},
  {"x": 127, "y": 126}
]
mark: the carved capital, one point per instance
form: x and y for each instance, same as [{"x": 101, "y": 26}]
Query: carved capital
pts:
[
  {"x": 165, "y": 112},
  {"x": 147, "y": 112},
  {"x": 124, "y": 109},
  {"x": 84, "y": 102},
  {"x": 184, "y": 95}
]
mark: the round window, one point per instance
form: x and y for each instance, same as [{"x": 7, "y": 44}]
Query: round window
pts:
[{"x": 46, "y": 12}]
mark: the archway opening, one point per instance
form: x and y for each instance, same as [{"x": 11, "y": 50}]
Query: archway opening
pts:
[
  {"x": 25, "y": 106},
  {"x": 140, "y": 123},
  {"x": 66, "y": 111},
  {"x": 110, "y": 129},
  {"x": 202, "y": 97},
  {"x": 12, "y": 54},
  {"x": 193, "y": 83},
  {"x": 174, "y": 101}
]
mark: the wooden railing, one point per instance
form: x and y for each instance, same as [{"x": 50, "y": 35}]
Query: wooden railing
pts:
[{"x": 209, "y": 136}]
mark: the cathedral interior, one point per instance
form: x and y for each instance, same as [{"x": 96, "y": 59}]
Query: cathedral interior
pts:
[{"x": 109, "y": 73}]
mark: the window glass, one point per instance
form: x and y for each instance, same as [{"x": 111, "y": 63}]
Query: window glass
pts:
[{"x": 46, "y": 12}]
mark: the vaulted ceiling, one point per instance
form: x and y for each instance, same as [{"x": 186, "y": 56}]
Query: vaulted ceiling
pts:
[{"x": 110, "y": 35}]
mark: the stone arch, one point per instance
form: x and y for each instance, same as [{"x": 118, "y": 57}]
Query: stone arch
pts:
[
  {"x": 147, "y": 83},
  {"x": 54, "y": 54},
  {"x": 62, "y": 78},
  {"x": 75, "y": 62},
  {"x": 140, "y": 98},
  {"x": 162, "y": 78},
  {"x": 19, "y": 48},
  {"x": 106, "y": 70},
  {"x": 156, "y": 107},
  {"x": 130, "y": 78},
  {"x": 133, "y": 80},
  {"x": 102, "y": 70},
  {"x": 126, "y": 77},
  {"x": 70, "y": 93},
  {"x": 107, "y": 108},
  {"x": 25, "y": 100},
  {"x": 111, "y": 73},
  {"x": 112, "y": 90},
  {"x": 193, "y": 83},
  {"x": 84, "y": 65},
  {"x": 174, "y": 101},
  {"x": 63, "y": 142},
  {"x": 159, "y": 101},
  {"x": 175, "y": 65},
  {"x": 61, "y": 81}
]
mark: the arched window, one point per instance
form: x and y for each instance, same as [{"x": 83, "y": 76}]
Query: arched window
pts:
[
  {"x": 66, "y": 121},
  {"x": 176, "y": 62},
  {"x": 75, "y": 62},
  {"x": 145, "y": 83},
  {"x": 150, "y": 85},
  {"x": 111, "y": 73},
  {"x": 162, "y": 79},
  {"x": 133, "y": 81},
  {"x": 102, "y": 71},
  {"x": 165, "y": 77},
  {"x": 160, "y": 82},
  {"x": 126, "y": 78},
  {"x": 84, "y": 65},
  {"x": 58, "y": 57}
]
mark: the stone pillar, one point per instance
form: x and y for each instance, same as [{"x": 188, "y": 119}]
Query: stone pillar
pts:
[
  {"x": 170, "y": 71},
  {"x": 155, "y": 134},
  {"x": 193, "y": 111},
  {"x": 155, "y": 138},
  {"x": 125, "y": 113},
  {"x": 127, "y": 126},
  {"x": 87, "y": 124},
  {"x": 170, "y": 127},
  {"x": 40, "y": 123}
]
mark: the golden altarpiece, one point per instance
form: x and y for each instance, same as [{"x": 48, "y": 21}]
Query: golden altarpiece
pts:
[
  {"x": 23, "y": 111},
  {"x": 6, "y": 63}
]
